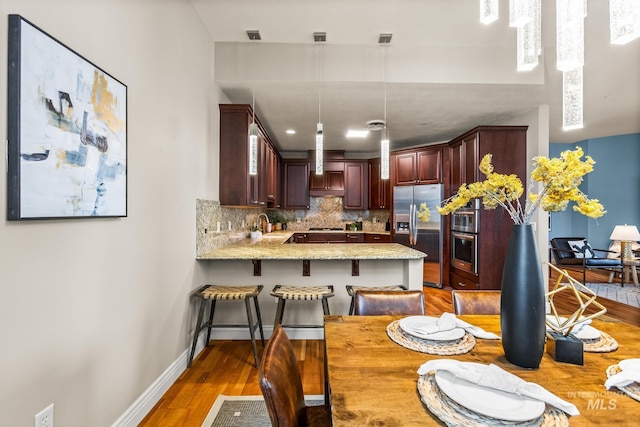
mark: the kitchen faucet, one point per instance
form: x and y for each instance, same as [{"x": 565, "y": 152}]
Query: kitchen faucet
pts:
[{"x": 265, "y": 217}]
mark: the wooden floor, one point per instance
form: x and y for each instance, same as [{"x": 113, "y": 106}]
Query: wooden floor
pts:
[{"x": 226, "y": 367}]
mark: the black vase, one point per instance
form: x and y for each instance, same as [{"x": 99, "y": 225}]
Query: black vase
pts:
[{"x": 522, "y": 306}]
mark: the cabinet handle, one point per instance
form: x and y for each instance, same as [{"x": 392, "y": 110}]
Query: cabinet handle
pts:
[{"x": 462, "y": 285}]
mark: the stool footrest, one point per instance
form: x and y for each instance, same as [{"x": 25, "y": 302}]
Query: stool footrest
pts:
[{"x": 302, "y": 326}]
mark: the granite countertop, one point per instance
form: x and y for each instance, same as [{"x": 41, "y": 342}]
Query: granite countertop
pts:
[{"x": 273, "y": 246}]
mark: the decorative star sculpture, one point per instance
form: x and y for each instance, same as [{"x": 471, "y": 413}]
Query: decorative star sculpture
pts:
[{"x": 583, "y": 296}]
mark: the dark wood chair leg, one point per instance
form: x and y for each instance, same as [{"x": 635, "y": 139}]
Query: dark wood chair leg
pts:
[{"x": 279, "y": 312}]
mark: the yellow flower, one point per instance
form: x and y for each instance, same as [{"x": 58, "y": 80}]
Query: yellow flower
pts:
[
  {"x": 559, "y": 177},
  {"x": 424, "y": 213}
]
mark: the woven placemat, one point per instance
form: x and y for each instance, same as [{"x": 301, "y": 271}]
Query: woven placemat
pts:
[
  {"x": 632, "y": 390},
  {"x": 442, "y": 348},
  {"x": 453, "y": 414},
  {"x": 604, "y": 344}
]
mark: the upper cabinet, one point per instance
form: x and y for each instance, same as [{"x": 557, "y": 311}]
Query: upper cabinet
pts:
[
  {"x": 330, "y": 182},
  {"x": 296, "y": 184},
  {"x": 379, "y": 189},
  {"x": 237, "y": 186},
  {"x": 506, "y": 144},
  {"x": 463, "y": 154},
  {"x": 418, "y": 166},
  {"x": 272, "y": 180},
  {"x": 355, "y": 172}
]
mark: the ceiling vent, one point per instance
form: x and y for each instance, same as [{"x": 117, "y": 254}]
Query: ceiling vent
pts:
[
  {"x": 375, "y": 125},
  {"x": 320, "y": 37},
  {"x": 385, "y": 38},
  {"x": 253, "y": 34}
]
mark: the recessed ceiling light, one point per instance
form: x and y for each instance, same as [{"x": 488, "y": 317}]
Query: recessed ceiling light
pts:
[
  {"x": 357, "y": 133},
  {"x": 291, "y": 131}
]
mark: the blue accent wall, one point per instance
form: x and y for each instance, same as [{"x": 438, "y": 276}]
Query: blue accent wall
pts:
[{"x": 615, "y": 181}]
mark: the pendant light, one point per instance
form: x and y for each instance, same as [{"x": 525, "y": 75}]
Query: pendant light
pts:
[
  {"x": 624, "y": 22},
  {"x": 488, "y": 11},
  {"x": 253, "y": 128},
  {"x": 384, "y": 41},
  {"x": 253, "y": 138},
  {"x": 319, "y": 38},
  {"x": 570, "y": 16}
]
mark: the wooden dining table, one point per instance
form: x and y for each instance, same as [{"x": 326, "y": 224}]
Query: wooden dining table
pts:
[{"x": 372, "y": 381}]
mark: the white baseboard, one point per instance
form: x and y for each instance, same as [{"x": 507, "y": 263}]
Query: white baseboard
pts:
[{"x": 152, "y": 395}]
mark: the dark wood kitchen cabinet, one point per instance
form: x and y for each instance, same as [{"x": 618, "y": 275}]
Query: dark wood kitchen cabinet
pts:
[
  {"x": 271, "y": 182},
  {"x": 377, "y": 238},
  {"x": 330, "y": 182},
  {"x": 296, "y": 184},
  {"x": 354, "y": 237},
  {"x": 464, "y": 160},
  {"x": 237, "y": 186},
  {"x": 379, "y": 189},
  {"x": 355, "y": 177},
  {"x": 508, "y": 146},
  {"x": 326, "y": 238},
  {"x": 417, "y": 166}
]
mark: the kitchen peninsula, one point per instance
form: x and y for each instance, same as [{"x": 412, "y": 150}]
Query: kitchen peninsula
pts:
[{"x": 270, "y": 261}]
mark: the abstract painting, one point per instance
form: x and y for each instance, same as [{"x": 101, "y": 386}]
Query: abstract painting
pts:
[{"x": 67, "y": 131}]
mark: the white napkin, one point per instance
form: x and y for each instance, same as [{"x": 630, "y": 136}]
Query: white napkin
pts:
[
  {"x": 623, "y": 378},
  {"x": 476, "y": 331},
  {"x": 577, "y": 328},
  {"x": 493, "y": 376},
  {"x": 444, "y": 323},
  {"x": 448, "y": 321}
]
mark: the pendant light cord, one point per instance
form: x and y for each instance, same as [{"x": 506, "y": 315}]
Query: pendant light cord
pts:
[
  {"x": 385, "y": 86},
  {"x": 253, "y": 79},
  {"x": 320, "y": 78}
]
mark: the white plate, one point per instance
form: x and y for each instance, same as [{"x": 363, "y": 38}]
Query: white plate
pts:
[
  {"x": 413, "y": 325},
  {"x": 629, "y": 364},
  {"x": 487, "y": 401},
  {"x": 587, "y": 332}
]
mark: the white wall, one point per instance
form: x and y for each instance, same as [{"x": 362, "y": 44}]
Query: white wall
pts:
[{"x": 93, "y": 311}]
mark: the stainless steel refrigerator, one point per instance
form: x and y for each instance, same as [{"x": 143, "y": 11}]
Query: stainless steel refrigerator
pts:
[{"x": 411, "y": 231}]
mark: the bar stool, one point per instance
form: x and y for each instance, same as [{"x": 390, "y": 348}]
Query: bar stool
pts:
[
  {"x": 351, "y": 290},
  {"x": 300, "y": 293},
  {"x": 213, "y": 293}
]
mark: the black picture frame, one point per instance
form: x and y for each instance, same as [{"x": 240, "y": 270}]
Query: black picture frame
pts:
[{"x": 66, "y": 131}]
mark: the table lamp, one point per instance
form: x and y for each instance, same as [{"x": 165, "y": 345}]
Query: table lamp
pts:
[{"x": 626, "y": 234}]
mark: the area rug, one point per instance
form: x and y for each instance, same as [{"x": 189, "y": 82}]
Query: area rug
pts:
[
  {"x": 244, "y": 411},
  {"x": 629, "y": 294}
]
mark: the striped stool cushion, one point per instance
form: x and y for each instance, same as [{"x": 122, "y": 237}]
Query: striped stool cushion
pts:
[
  {"x": 351, "y": 290},
  {"x": 218, "y": 292},
  {"x": 302, "y": 292}
]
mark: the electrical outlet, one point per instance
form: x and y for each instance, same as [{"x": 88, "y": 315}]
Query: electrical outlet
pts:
[{"x": 44, "y": 418}]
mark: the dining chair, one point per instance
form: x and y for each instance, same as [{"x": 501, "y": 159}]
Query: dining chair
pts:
[
  {"x": 476, "y": 302},
  {"x": 281, "y": 386},
  {"x": 375, "y": 303}
]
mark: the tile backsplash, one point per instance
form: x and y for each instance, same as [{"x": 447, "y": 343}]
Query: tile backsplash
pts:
[{"x": 217, "y": 226}]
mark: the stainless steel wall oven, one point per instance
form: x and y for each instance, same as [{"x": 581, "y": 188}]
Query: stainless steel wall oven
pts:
[
  {"x": 464, "y": 251},
  {"x": 464, "y": 237}
]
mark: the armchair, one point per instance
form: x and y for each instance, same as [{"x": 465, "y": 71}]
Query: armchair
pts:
[{"x": 575, "y": 253}]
